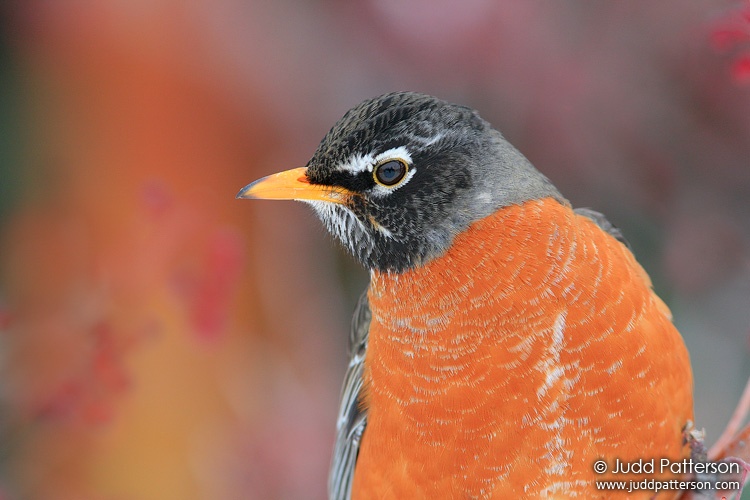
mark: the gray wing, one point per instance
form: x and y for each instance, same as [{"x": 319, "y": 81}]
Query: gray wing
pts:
[
  {"x": 352, "y": 418},
  {"x": 603, "y": 223}
]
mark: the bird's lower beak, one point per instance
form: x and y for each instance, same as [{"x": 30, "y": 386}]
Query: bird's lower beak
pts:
[{"x": 292, "y": 185}]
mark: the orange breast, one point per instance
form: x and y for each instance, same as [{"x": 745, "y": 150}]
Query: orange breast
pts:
[{"x": 506, "y": 367}]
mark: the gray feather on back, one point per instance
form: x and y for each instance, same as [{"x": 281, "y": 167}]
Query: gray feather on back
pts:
[
  {"x": 602, "y": 221},
  {"x": 352, "y": 417}
]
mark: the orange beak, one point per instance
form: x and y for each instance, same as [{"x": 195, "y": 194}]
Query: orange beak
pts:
[{"x": 292, "y": 185}]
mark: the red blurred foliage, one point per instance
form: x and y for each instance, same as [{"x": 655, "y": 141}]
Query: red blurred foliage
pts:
[
  {"x": 731, "y": 34},
  {"x": 67, "y": 347},
  {"x": 741, "y": 70},
  {"x": 203, "y": 263},
  {"x": 208, "y": 290},
  {"x": 88, "y": 392}
]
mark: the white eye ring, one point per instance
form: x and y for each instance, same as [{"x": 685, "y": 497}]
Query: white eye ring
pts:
[{"x": 390, "y": 173}]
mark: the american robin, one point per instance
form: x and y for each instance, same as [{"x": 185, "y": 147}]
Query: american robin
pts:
[{"x": 506, "y": 341}]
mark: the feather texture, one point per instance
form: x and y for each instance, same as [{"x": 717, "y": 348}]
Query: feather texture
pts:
[
  {"x": 506, "y": 367},
  {"x": 352, "y": 416}
]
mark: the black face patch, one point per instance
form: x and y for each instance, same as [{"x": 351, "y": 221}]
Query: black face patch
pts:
[{"x": 358, "y": 183}]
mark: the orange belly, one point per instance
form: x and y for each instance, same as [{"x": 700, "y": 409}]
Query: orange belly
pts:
[{"x": 506, "y": 367}]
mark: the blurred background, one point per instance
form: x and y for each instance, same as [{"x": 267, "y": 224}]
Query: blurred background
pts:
[{"x": 161, "y": 340}]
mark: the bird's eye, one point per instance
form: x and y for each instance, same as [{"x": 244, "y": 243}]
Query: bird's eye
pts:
[{"x": 390, "y": 173}]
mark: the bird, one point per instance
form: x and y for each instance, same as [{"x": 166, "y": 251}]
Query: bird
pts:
[{"x": 506, "y": 341}]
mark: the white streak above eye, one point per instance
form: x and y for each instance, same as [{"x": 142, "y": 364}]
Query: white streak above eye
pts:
[
  {"x": 365, "y": 163},
  {"x": 399, "y": 153},
  {"x": 357, "y": 163}
]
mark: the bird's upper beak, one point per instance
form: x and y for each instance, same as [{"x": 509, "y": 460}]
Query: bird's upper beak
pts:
[{"x": 292, "y": 185}]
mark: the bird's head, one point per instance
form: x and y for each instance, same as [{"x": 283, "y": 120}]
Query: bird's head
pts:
[{"x": 400, "y": 175}]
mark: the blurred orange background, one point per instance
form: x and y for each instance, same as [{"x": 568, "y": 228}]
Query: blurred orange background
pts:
[{"x": 161, "y": 340}]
